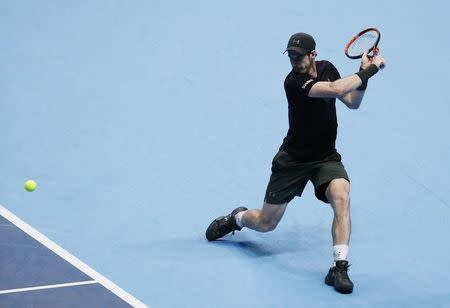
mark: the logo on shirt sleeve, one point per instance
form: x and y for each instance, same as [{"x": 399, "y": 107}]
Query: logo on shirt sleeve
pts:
[{"x": 306, "y": 83}]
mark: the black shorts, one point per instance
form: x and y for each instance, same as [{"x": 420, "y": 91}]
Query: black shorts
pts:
[{"x": 289, "y": 177}]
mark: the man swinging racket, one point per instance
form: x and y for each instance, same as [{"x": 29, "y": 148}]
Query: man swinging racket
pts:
[{"x": 308, "y": 151}]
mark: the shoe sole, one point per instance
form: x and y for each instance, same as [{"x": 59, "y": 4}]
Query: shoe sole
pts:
[
  {"x": 343, "y": 291},
  {"x": 210, "y": 225}
]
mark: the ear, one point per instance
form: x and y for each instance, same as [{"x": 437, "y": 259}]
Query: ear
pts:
[{"x": 313, "y": 53}]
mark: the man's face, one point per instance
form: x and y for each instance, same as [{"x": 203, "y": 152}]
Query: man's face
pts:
[{"x": 300, "y": 63}]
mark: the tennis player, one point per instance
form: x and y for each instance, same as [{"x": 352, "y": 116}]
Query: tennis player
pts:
[{"x": 308, "y": 151}]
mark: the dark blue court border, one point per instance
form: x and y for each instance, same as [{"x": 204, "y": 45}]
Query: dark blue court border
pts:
[{"x": 27, "y": 263}]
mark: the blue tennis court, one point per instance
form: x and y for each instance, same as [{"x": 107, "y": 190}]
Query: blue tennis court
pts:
[{"x": 141, "y": 121}]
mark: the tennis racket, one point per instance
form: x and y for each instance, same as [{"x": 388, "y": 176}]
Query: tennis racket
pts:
[{"x": 367, "y": 39}]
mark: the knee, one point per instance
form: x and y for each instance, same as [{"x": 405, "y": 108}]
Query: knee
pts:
[
  {"x": 270, "y": 216},
  {"x": 341, "y": 202},
  {"x": 267, "y": 226}
]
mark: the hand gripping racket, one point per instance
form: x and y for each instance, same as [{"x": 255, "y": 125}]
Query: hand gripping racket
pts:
[{"x": 367, "y": 39}]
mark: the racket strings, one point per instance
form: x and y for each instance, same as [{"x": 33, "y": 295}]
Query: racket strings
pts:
[{"x": 362, "y": 43}]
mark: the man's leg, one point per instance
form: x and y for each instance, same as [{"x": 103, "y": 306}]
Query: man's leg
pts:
[
  {"x": 288, "y": 179},
  {"x": 263, "y": 220},
  {"x": 338, "y": 194}
]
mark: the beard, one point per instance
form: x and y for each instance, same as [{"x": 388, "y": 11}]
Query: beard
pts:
[{"x": 302, "y": 67}]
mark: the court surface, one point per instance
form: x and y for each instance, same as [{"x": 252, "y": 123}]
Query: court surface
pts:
[{"x": 143, "y": 121}]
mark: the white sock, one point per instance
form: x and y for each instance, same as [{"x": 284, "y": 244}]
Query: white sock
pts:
[
  {"x": 340, "y": 253},
  {"x": 238, "y": 217}
]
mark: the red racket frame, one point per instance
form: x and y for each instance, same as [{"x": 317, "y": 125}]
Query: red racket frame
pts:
[{"x": 373, "y": 48}]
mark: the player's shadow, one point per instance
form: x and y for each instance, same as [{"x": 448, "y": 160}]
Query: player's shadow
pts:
[
  {"x": 251, "y": 248},
  {"x": 286, "y": 240},
  {"x": 300, "y": 251}
]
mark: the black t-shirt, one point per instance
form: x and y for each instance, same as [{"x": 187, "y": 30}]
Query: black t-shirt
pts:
[{"x": 312, "y": 121}]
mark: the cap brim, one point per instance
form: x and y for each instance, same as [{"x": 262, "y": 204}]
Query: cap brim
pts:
[{"x": 301, "y": 51}]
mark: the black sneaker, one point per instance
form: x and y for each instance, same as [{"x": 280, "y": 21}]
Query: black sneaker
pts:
[
  {"x": 338, "y": 278},
  {"x": 223, "y": 225}
]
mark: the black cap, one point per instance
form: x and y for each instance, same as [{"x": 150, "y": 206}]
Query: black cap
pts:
[{"x": 301, "y": 43}]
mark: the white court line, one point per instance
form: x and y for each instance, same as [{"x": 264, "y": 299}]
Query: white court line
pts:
[
  {"x": 71, "y": 259},
  {"x": 50, "y": 286}
]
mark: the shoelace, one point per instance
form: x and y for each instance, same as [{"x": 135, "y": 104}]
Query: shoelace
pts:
[{"x": 343, "y": 270}]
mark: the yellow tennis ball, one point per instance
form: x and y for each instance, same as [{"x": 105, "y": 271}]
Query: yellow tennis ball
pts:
[{"x": 30, "y": 185}]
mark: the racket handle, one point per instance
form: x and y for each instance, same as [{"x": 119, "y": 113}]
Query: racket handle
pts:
[{"x": 375, "y": 52}]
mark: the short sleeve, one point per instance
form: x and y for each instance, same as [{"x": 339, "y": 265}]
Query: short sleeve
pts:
[{"x": 300, "y": 84}]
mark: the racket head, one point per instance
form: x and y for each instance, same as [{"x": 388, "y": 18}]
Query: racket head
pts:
[{"x": 367, "y": 39}]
